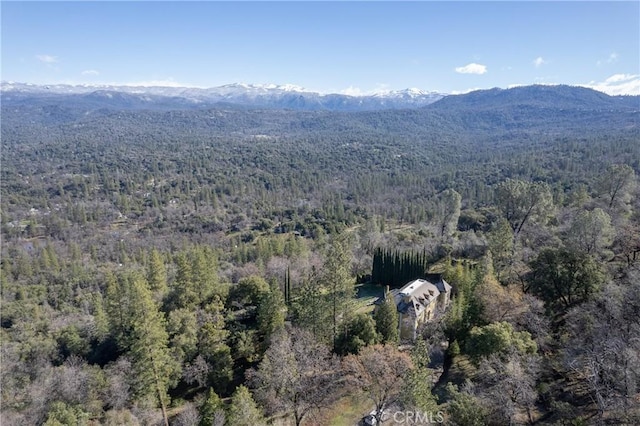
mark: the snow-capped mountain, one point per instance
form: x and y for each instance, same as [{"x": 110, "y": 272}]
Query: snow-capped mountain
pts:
[{"x": 241, "y": 94}]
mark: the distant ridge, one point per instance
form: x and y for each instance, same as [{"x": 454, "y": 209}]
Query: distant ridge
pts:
[
  {"x": 519, "y": 100},
  {"x": 532, "y": 110},
  {"x": 269, "y": 96},
  {"x": 539, "y": 96}
]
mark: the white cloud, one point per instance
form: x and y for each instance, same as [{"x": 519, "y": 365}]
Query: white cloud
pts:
[
  {"x": 617, "y": 84},
  {"x": 617, "y": 78},
  {"x": 159, "y": 83},
  {"x": 47, "y": 59},
  {"x": 380, "y": 89},
  {"x": 613, "y": 57},
  {"x": 539, "y": 61},
  {"x": 90, "y": 72},
  {"x": 464, "y": 92},
  {"x": 472, "y": 68},
  {"x": 352, "y": 91}
]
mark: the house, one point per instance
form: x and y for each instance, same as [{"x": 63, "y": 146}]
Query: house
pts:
[{"x": 419, "y": 301}]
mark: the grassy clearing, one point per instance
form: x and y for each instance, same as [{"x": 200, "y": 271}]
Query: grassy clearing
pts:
[
  {"x": 346, "y": 412},
  {"x": 368, "y": 292},
  {"x": 366, "y": 295}
]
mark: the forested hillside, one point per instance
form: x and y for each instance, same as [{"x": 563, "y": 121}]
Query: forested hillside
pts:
[{"x": 214, "y": 266}]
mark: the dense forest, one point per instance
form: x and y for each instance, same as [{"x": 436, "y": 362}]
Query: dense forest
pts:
[{"x": 220, "y": 265}]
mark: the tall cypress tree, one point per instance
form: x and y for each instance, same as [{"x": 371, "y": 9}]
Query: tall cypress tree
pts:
[{"x": 396, "y": 269}]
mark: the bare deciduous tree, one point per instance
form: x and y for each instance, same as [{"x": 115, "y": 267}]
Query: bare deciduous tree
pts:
[
  {"x": 379, "y": 372},
  {"x": 297, "y": 375},
  {"x": 603, "y": 348},
  {"x": 508, "y": 386}
]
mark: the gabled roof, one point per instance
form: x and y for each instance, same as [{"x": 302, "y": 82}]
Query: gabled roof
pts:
[
  {"x": 419, "y": 294},
  {"x": 439, "y": 282}
]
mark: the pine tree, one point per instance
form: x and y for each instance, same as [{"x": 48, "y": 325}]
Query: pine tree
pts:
[
  {"x": 182, "y": 326},
  {"x": 312, "y": 309},
  {"x": 100, "y": 319},
  {"x": 337, "y": 279},
  {"x": 153, "y": 365},
  {"x": 157, "y": 273},
  {"x": 386, "y": 317},
  {"x": 212, "y": 338},
  {"x": 185, "y": 295},
  {"x": 271, "y": 311},
  {"x": 210, "y": 408},
  {"x": 204, "y": 273},
  {"x": 119, "y": 308},
  {"x": 243, "y": 410},
  {"x": 418, "y": 381}
]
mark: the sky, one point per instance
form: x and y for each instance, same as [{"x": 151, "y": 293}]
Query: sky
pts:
[{"x": 331, "y": 47}]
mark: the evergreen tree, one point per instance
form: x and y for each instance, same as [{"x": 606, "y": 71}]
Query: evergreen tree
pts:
[
  {"x": 501, "y": 245},
  {"x": 312, "y": 309},
  {"x": 386, "y": 317},
  {"x": 211, "y": 408},
  {"x": 395, "y": 269},
  {"x": 157, "y": 273},
  {"x": 449, "y": 213},
  {"x": 62, "y": 414},
  {"x": 339, "y": 283},
  {"x": 119, "y": 308},
  {"x": 564, "y": 278},
  {"x": 154, "y": 368},
  {"x": 272, "y": 311},
  {"x": 359, "y": 332},
  {"x": 243, "y": 410},
  {"x": 212, "y": 346},
  {"x": 248, "y": 292},
  {"x": 204, "y": 273},
  {"x": 182, "y": 327},
  {"x": 100, "y": 319},
  {"x": 464, "y": 409},
  {"x": 498, "y": 338},
  {"x": 418, "y": 381},
  {"x": 185, "y": 295}
]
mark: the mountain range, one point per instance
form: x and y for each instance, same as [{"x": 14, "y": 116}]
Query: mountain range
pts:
[
  {"x": 241, "y": 95},
  {"x": 285, "y": 111}
]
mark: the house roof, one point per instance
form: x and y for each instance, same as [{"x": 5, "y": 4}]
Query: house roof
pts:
[
  {"x": 418, "y": 294},
  {"x": 439, "y": 282}
]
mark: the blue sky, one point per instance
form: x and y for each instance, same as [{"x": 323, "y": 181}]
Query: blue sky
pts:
[{"x": 348, "y": 47}]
